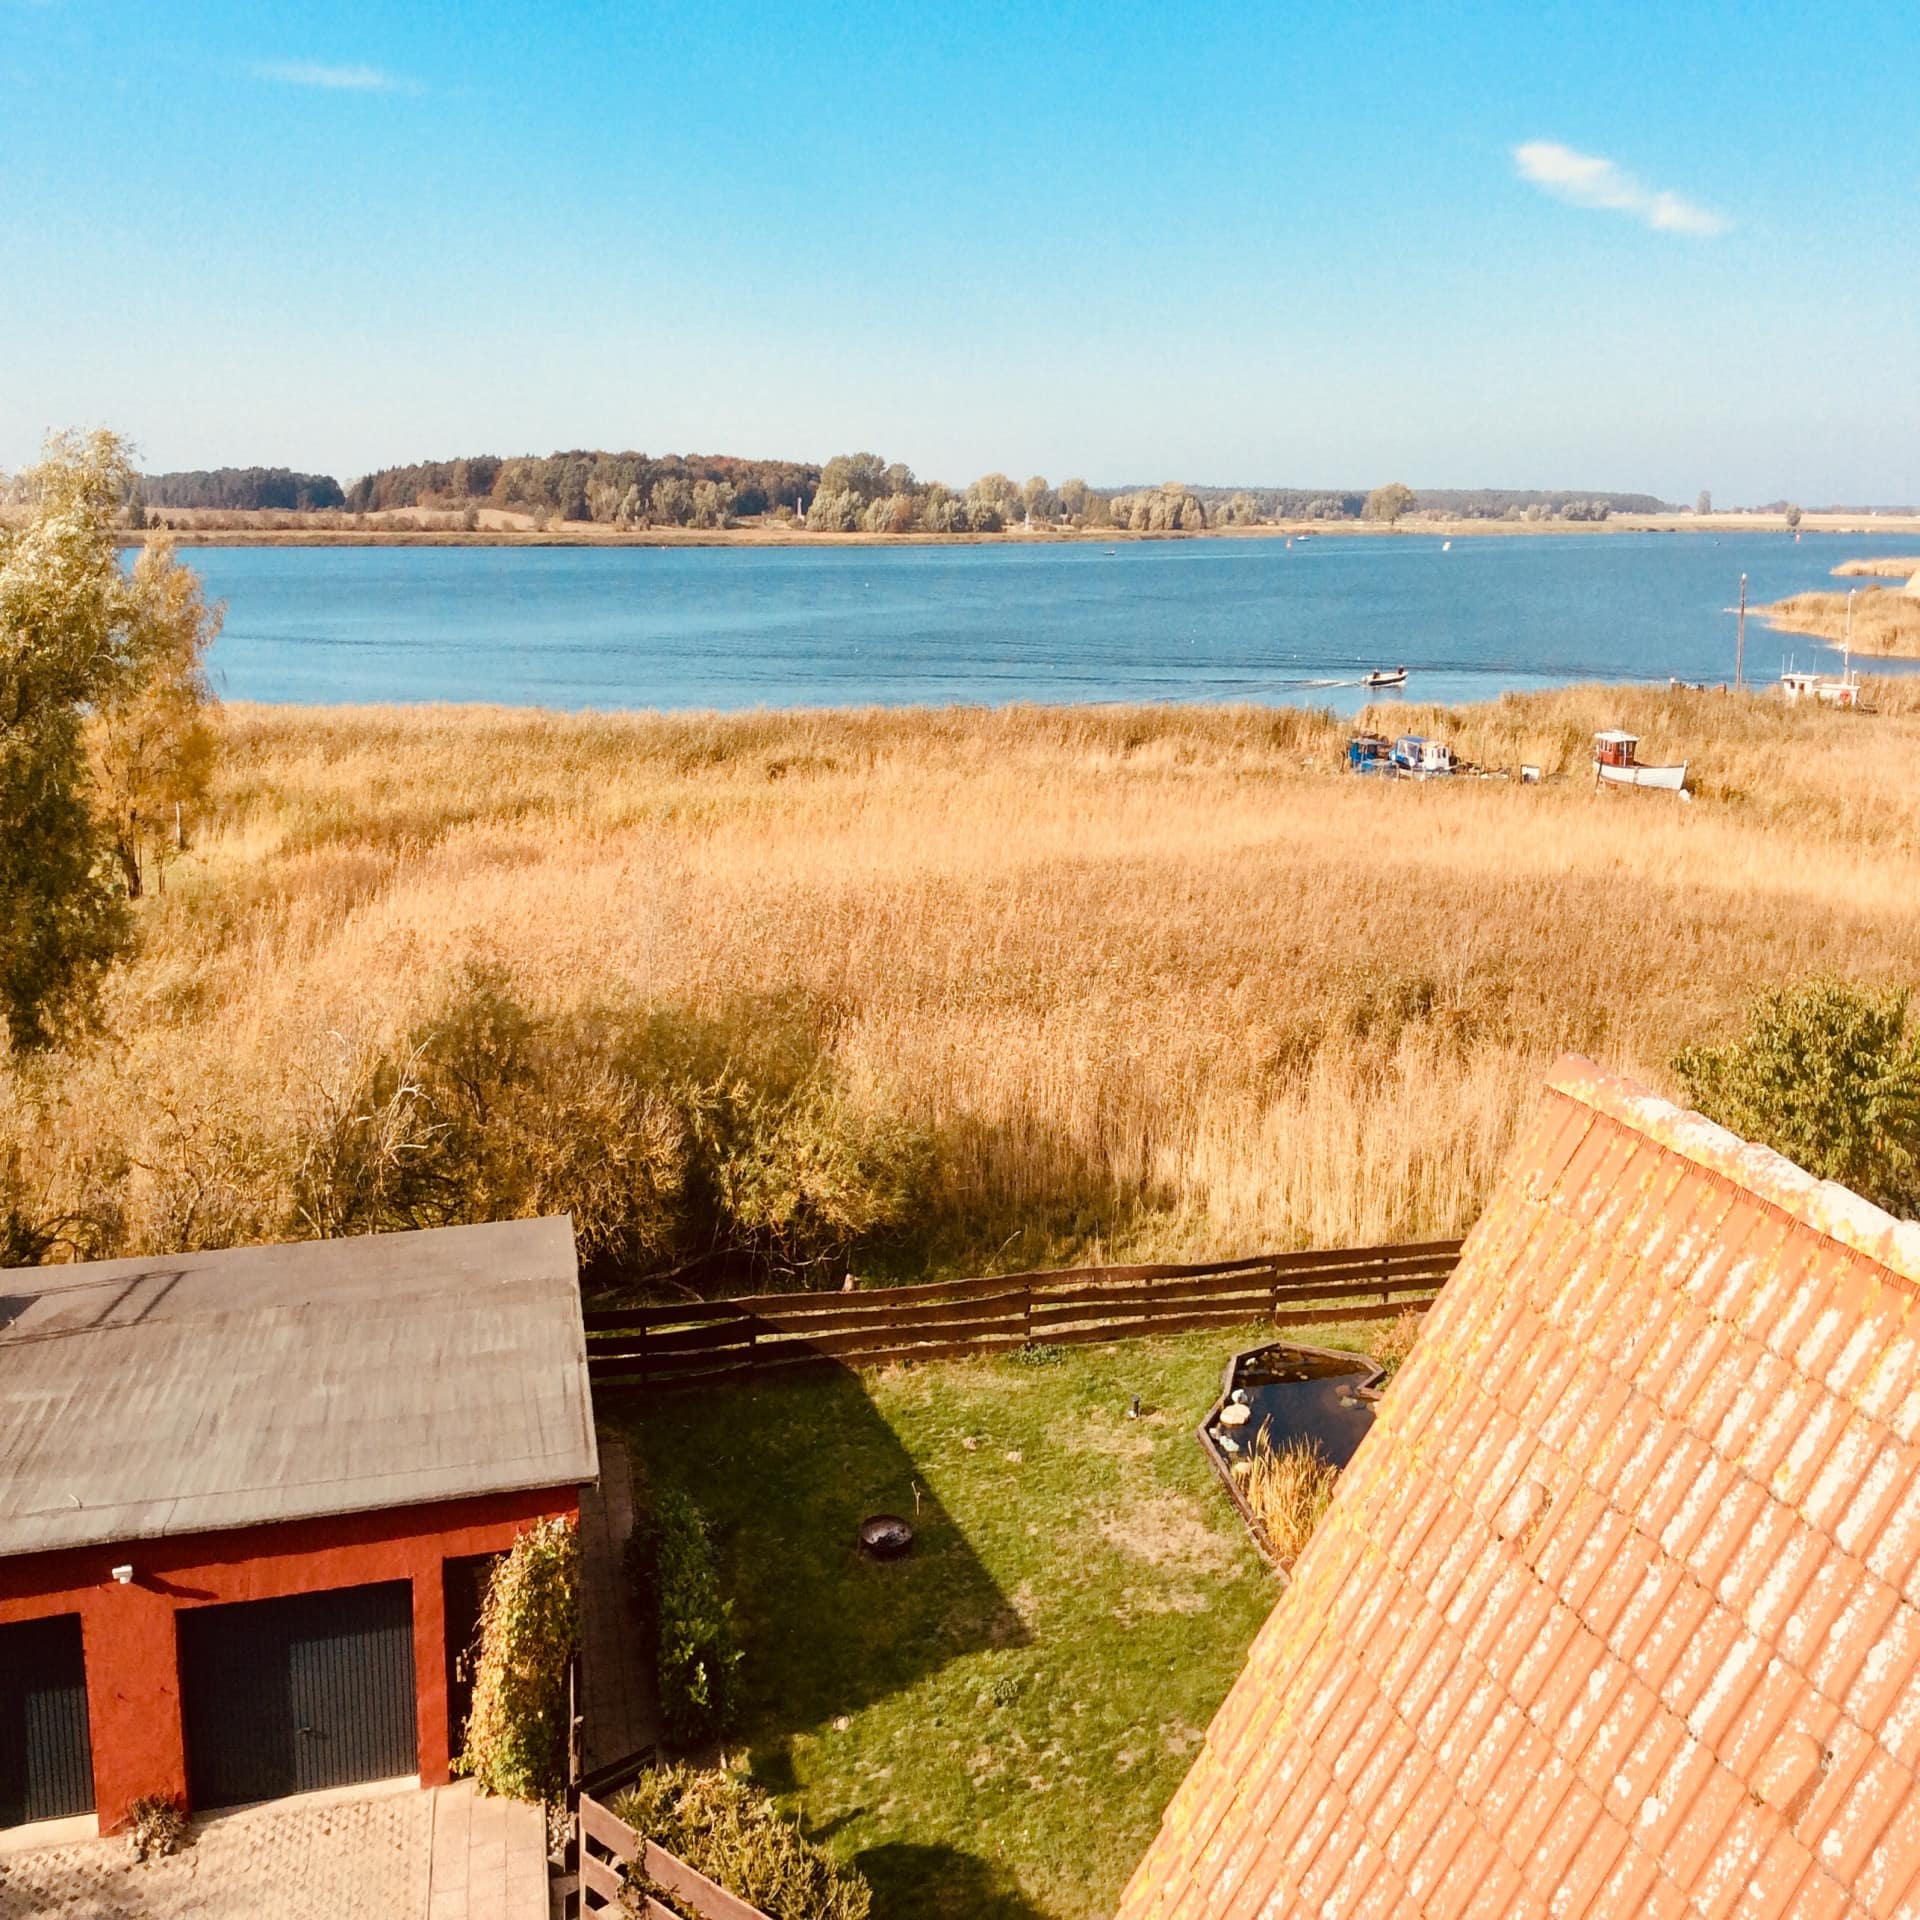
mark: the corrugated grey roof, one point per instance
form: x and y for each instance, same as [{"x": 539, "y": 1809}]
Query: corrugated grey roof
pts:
[{"x": 140, "y": 1398}]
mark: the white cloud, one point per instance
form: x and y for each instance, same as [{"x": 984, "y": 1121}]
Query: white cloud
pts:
[
  {"x": 1589, "y": 180},
  {"x": 311, "y": 73}
]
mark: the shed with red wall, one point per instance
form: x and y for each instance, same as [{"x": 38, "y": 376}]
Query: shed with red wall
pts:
[{"x": 236, "y": 1430}]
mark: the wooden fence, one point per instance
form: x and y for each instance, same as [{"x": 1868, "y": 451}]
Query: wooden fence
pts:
[
  {"x": 704, "y": 1340},
  {"x": 608, "y": 1844}
]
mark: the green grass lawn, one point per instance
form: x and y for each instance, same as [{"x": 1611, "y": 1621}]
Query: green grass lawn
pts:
[{"x": 992, "y": 1726}]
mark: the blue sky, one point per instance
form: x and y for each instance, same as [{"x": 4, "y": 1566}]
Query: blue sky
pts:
[{"x": 1626, "y": 246}]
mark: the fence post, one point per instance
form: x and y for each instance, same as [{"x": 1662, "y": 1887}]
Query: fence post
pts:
[
  {"x": 1386, "y": 1274},
  {"x": 576, "y": 1844},
  {"x": 1026, "y": 1314}
]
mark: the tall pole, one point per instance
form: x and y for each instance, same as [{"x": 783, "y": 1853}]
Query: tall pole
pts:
[
  {"x": 1740, "y": 641},
  {"x": 1846, "y": 655}
]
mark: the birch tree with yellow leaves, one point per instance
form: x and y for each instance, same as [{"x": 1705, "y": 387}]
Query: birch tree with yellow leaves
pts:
[{"x": 103, "y": 704}]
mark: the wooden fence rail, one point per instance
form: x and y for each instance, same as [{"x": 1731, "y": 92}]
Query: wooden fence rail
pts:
[
  {"x": 702, "y": 1340},
  {"x": 608, "y": 1845}
]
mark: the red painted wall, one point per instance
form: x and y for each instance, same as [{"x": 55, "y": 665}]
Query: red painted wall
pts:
[{"x": 132, "y": 1648}]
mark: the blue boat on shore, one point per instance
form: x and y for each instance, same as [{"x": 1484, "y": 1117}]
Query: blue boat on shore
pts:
[
  {"x": 1370, "y": 753},
  {"x": 1411, "y": 757}
]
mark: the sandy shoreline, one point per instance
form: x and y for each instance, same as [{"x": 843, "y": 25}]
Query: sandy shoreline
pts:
[{"x": 589, "y": 534}]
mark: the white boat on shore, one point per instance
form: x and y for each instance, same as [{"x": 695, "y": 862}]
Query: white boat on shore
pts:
[
  {"x": 1616, "y": 762},
  {"x": 1419, "y": 758},
  {"x": 1672, "y": 778},
  {"x": 1824, "y": 688}
]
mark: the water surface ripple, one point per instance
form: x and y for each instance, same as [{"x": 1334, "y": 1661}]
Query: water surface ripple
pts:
[{"x": 1250, "y": 620}]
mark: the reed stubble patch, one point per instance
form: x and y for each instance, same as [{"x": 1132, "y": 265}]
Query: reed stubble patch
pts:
[
  {"x": 911, "y": 991},
  {"x": 1883, "y": 620}
]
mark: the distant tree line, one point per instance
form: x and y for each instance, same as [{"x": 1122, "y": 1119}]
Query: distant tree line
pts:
[
  {"x": 1243, "y": 506},
  {"x": 245, "y": 489},
  {"x": 619, "y": 489},
  {"x": 863, "y": 493},
  {"x": 1284, "y": 503},
  {"x": 1504, "y": 503},
  {"x": 851, "y": 493}
]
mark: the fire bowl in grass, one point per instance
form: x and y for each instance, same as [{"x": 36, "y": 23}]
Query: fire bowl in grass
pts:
[{"x": 885, "y": 1536}]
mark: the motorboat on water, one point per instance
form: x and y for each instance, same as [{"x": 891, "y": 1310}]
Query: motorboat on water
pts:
[{"x": 1385, "y": 677}]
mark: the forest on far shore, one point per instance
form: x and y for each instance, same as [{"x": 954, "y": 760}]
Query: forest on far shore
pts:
[
  {"x": 851, "y": 493},
  {"x": 243, "y": 490}
]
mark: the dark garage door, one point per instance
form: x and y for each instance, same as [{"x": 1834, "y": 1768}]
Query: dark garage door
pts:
[
  {"x": 283, "y": 1696},
  {"x": 46, "y": 1759}
]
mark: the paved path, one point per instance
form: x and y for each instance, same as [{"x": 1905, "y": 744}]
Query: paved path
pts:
[
  {"x": 391, "y": 1856},
  {"x": 489, "y": 1858},
  {"x": 617, "y": 1701}
]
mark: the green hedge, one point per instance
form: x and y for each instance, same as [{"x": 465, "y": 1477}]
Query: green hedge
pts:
[
  {"x": 728, "y": 1829},
  {"x": 679, "y": 1591}
]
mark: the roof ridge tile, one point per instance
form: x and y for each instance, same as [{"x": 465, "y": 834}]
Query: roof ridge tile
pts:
[{"x": 1828, "y": 1208}]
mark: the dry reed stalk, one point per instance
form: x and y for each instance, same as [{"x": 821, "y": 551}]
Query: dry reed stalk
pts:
[
  {"x": 1885, "y": 620},
  {"x": 1156, "y": 981},
  {"x": 1287, "y": 1488}
]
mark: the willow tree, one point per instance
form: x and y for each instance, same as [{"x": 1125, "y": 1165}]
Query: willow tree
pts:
[
  {"x": 90, "y": 658},
  {"x": 1389, "y": 503}
]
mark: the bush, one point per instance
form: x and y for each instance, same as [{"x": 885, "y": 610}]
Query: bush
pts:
[
  {"x": 798, "y": 1175},
  {"x": 1040, "y": 1353},
  {"x": 516, "y": 1741},
  {"x": 156, "y": 1827},
  {"x": 696, "y": 1652},
  {"x": 1394, "y": 1342},
  {"x": 1827, "y": 1074},
  {"x": 728, "y": 1829},
  {"x": 666, "y": 1138}
]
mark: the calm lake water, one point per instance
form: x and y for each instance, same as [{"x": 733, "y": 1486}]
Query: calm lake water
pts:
[{"x": 1195, "y": 620}]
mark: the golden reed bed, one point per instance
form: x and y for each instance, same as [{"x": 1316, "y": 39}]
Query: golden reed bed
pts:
[{"x": 1152, "y": 980}]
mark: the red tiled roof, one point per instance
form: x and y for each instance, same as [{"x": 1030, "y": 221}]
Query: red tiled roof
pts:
[{"x": 1617, "y": 1610}]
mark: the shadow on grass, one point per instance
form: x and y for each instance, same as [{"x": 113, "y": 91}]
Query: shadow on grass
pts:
[
  {"x": 909, "y": 1882},
  {"x": 785, "y": 1472}
]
